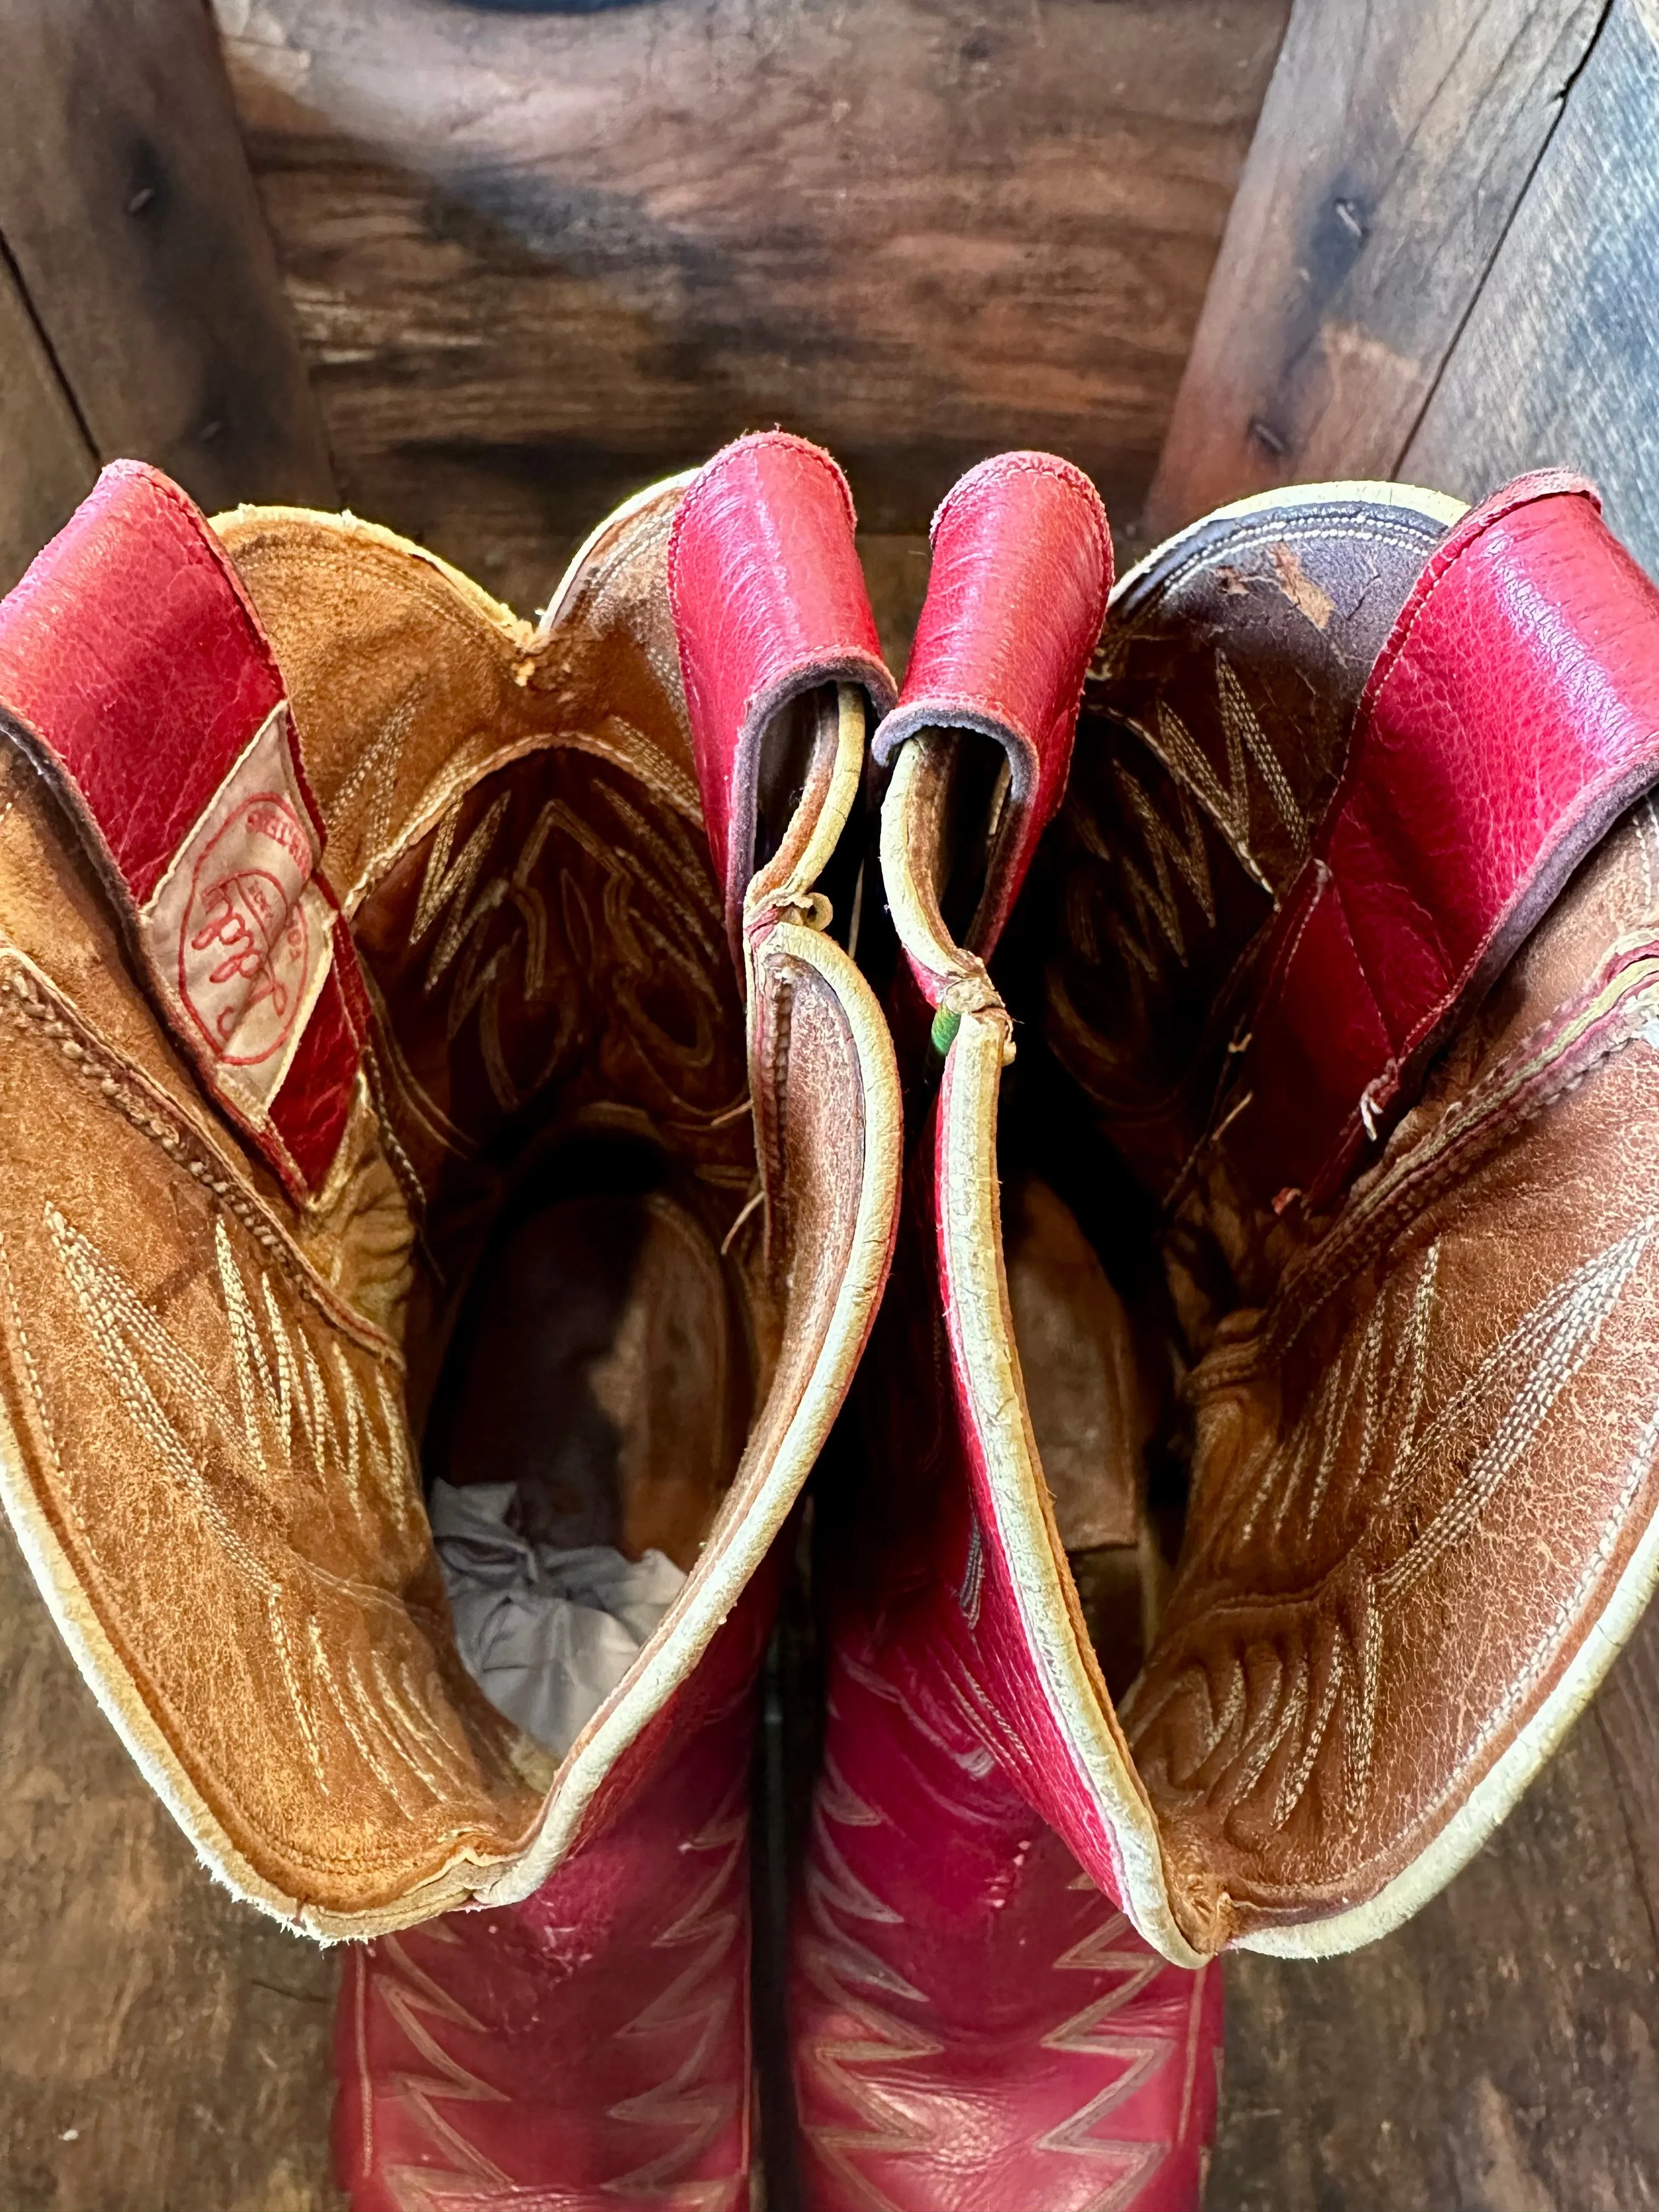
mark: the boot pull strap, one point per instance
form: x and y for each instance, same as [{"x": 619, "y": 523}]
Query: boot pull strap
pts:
[
  {"x": 770, "y": 608},
  {"x": 135, "y": 673},
  {"x": 1022, "y": 567},
  {"x": 1510, "y": 720}
]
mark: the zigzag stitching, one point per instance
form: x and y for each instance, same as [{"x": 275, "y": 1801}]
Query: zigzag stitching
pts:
[
  {"x": 700, "y": 1998},
  {"x": 1144, "y": 2056},
  {"x": 832, "y": 1963}
]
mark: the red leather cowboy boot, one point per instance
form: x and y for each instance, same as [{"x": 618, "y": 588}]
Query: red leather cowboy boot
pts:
[
  {"x": 1341, "y": 978},
  {"x": 374, "y": 1062},
  {"x": 977, "y": 2024}
]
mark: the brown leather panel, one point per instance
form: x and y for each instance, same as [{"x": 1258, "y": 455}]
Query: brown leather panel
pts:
[
  {"x": 1419, "y": 1472},
  {"x": 221, "y": 1461},
  {"x": 1090, "y": 1411},
  {"x": 1215, "y": 721},
  {"x": 514, "y": 824},
  {"x": 406, "y": 680}
]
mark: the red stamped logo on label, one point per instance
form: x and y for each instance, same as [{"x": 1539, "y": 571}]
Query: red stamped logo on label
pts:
[{"x": 244, "y": 945}]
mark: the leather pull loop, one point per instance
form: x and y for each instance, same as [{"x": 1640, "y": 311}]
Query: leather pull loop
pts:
[
  {"x": 1510, "y": 720},
  {"x": 1022, "y": 567},
  {"x": 769, "y": 604},
  {"x": 135, "y": 672}
]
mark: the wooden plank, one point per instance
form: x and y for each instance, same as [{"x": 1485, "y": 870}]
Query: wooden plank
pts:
[
  {"x": 1394, "y": 146},
  {"x": 128, "y": 211},
  {"x": 162, "y": 2048},
  {"x": 540, "y": 255},
  {"x": 1560, "y": 359},
  {"x": 46, "y": 463}
]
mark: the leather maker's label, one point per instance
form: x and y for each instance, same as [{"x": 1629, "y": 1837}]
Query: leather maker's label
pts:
[{"x": 236, "y": 928}]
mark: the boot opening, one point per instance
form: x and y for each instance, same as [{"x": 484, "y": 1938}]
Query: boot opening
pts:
[
  {"x": 588, "y": 1419},
  {"x": 800, "y": 756}
]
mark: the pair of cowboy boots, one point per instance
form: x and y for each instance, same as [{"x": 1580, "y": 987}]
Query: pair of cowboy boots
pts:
[{"x": 419, "y": 1025}]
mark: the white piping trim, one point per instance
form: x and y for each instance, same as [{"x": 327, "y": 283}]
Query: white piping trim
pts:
[
  {"x": 976, "y": 1288},
  {"x": 1495, "y": 1796},
  {"x": 563, "y": 590}
]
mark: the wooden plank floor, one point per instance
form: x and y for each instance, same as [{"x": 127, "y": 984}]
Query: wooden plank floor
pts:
[{"x": 162, "y": 2048}]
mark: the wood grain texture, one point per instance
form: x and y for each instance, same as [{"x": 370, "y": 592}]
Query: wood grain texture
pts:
[
  {"x": 542, "y": 254},
  {"x": 1558, "y": 360},
  {"x": 162, "y": 2048},
  {"x": 1394, "y": 147},
  {"x": 46, "y": 463},
  {"x": 130, "y": 218}
]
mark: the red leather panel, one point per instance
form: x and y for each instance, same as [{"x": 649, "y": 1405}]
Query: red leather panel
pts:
[
  {"x": 131, "y": 648},
  {"x": 133, "y": 666},
  {"x": 1512, "y": 717},
  {"x": 1016, "y": 596},
  {"x": 769, "y": 601},
  {"x": 975, "y": 2027},
  {"x": 589, "y": 2049}
]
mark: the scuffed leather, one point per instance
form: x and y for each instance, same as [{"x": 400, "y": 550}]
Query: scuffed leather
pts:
[
  {"x": 1022, "y": 563},
  {"x": 133, "y": 666},
  {"x": 591, "y": 2045},
  {"x": 1214, "y": 727},
  {"x": 770, "y": 601},
  {"x": 211, "y": 1395},
  {"x": 977, "y": 2025},
  {"x": 1511, "y": 718},
  {"x": 977, "y": 2028},
  {"x": 1419, "y": 1419}
]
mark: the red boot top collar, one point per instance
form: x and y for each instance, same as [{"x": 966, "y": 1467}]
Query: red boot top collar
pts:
[
  {"x": 1022, "y": 567},
  {"x": 1512, "y": 716},
  {"x": 134, "y": 670},
  {"x": 769, "y": 603}
]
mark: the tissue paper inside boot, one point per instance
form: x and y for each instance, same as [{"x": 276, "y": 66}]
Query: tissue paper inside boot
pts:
[{"x": 546, "y": 1633}]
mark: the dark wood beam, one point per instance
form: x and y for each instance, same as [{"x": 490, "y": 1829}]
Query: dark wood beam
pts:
[
  {"x": 130, "y": 220},
  {"x": 1394, "y": 146}
]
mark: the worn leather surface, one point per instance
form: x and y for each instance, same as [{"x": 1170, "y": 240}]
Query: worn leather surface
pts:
[
  {"x": 976, "y": 2028},
  {"x": 1512, "y": 716},
  {"x": 591, "y": 2045},
  {"x": 208, "y": 836},
  {"x": 1213, "y": 729},
  {"x": 976, "y": 2023},
  {"x": 212, "y": 1395},
  {"x": 1417, "y": 1420},
  {"x": 769, "y": 603},
  {"x": 1022, "y": 562}
]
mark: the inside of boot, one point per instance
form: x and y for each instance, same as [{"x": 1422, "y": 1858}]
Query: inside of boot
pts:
[
  {"x": 1088, "y": 1308},
  {"x": 604, "y": 1341},
  {"x": 974, "y": 803},
  {"x": 800, "y": 756},
  {"x": 590, "y": 1415}
]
